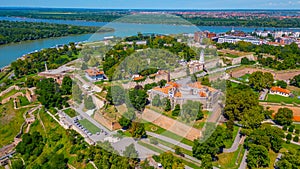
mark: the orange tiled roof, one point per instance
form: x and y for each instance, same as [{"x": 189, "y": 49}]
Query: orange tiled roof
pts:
[
  {"x": 176, "y": 85},
  {"x": 138, "y": 78},
  {"x": 202, "y": 94},
  {"x": 94, "y": 72},
  {"x": 297, "y": 118},
  {"x": 164, "y": 90},
  {"x": 178, "y": 94},
  {"x": 279, "y": 89},
  {"x": 196, "y": 85}
]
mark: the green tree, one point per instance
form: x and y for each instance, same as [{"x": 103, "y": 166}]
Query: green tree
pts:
[
  {"x": 252, "y": 118},
  {"x": 259, "y": 80},
  {"x": 258, "y": 156},
  {"x": 115, "y": 95},
  {"x": 290, "y": 159},
  {"x": 282, "y": 84},
  {"x": 267, "y": 136},
  {"x": 167, "y": 104},
  {"x": 17, "y": 164},
  {"x": 126, "y": 119},
  {"x": 212, "y": 145},
  {"x": 296, "y": 139},
  {"x": 206, "y": 162},
  {"x": 284, "y": 164},
  {"x": 156, "y": 101},
  {"x": 88, "y": 103},
  {"x": 289, "y": 136},
  {"x": 130, "y": 152},
  {"x": 168, "y": 161},
  {"x": 245, "y": 61},
  {"x": 295, "y": 81},
  {"x": 176, "y": 110},
  {"x": 191, "y": 110},
  {"x": 194, "y": 78},
  {"x": 66, "y": 86},
  {"x": 138, "y": 98},
  {"x": 77, "y": 94},
  {"x": 138, "y": 130},
  {"x": 284, "y": 116}
]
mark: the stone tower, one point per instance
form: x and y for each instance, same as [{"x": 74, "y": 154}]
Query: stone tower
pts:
[{"x": 201, "y": 59}]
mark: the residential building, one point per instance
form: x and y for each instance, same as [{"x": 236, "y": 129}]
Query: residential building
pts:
[
  {"x": 280, "y": 91},
  {"x": 95, "y": 74}
]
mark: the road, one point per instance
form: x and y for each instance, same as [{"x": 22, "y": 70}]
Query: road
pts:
[
  {"x": 172, "y": 141},
  {"x": 236, "y": 143},
  {"x": 263, "y": 94},
  {"x": 143, "y": 152},
  {"x": 243, "y": 164}
]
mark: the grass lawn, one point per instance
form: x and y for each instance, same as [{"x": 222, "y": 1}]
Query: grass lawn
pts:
[
  {"x": 170, "y": 145},
  {"x": 23, "y": 101},
  {"x": 287, "y": 147},
  {"x": 10, "y": 122},
  {"x": 297, "y": 126},
  {"x": 71, "y": 112},
  {"x": 150, "y": 147},
  {"x": 89, "y": 126},
  {"x": 280, "y": 99},
  {"x": 244, "y": 78},
  {"x": 10, "y": 93},
  {"x": 228, "y": 143},
  {"x": 158, "y": 130},
  {"x": 227, "y": 160}
]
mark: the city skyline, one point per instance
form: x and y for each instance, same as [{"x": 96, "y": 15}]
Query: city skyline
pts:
[{"x": 156, "y": 4}]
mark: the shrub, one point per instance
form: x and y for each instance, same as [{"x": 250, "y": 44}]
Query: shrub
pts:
[
  {"x": 296, "y": 139},
  {"x": 291, "y": 129},
  {"x": 297, "y": 131},
  {"x": 288, "y": 136},
  {"x": 285, "y": 127}
]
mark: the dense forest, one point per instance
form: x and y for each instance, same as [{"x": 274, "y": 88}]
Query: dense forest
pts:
[
  {"x": 111, "y": 15},
  {"x": 11, "y": 32}
]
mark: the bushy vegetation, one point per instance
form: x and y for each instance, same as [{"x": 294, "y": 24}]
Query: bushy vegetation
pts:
[
  {"x": 53, "y": 57},
  {"x": 21, "y": 31}
]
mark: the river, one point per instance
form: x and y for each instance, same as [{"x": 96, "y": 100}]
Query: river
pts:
[{"x": 11, "y": 52}]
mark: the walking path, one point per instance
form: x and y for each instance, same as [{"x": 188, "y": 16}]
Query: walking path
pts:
[
  {"x": 237, "y": 141},
  {"x": 243, "y": 164}
]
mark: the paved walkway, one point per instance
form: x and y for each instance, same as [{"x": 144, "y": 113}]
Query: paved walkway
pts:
[
  {"x": 237, "y": 141},
  {"x": 243, "y": 164}
]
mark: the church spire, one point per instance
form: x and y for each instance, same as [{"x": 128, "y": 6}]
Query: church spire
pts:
[{"x": 201, "y": 58}]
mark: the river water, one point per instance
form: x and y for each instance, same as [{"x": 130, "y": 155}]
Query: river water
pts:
[{"x": 11, "y": 52}]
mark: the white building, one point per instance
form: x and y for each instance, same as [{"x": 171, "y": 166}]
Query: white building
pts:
[{"x": 280, "y": 91}]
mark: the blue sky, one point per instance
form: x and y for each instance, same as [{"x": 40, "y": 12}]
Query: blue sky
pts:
[{"x": 157, "y": 4}]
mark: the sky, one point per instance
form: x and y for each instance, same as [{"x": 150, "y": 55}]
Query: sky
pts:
[{"x": 156, "y": 4}]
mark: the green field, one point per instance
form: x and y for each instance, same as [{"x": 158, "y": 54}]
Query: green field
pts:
[
  {"x": 89, "y": 126},
  {"x": 23, "y": 101},
  {"x": 10, "y": 122},
  {"x": 244, "y": 78},
  {"x": 71, "y": 112},
  {"x": 281, "y": 99},
  {"x": 227, "y": 160},
  {"x": 158, "y": 130}
]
